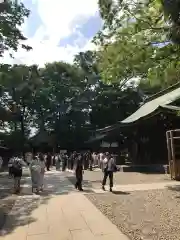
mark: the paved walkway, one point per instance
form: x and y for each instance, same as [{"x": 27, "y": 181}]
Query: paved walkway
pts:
[{"x": 60, "y": 213}]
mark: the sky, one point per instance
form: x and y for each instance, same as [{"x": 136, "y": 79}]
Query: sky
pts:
[{"x": 57, "y": 30}]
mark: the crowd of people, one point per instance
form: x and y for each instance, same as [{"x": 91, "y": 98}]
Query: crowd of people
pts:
[{"x": 77, "y": 162}]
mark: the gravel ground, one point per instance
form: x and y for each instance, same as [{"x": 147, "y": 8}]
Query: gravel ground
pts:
[
  {"x": 94, "y": 178},
  {"x": 144, "y": 214}
]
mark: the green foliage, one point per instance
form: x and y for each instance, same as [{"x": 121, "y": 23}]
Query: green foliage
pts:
[
  {"x": 112, "y": 105},
  {"x": 135, "y": 43},
  {"x": 12, "y": 15},
  {"x": 172, "y": 13},
  {"x": 107, "y": 103},
  {"x": 65, "y": 100}
]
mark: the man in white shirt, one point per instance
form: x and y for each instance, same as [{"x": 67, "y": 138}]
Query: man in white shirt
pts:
[
  {"x": 101, "y": 158},
  {"x": 94, "y": 156},
  {"x": 109, "y": 166}
]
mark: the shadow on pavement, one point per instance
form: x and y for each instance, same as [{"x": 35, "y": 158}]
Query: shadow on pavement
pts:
[
  {"x": 120, "y": 192},
  {"x": 7, "y": 198},
  {"x": 85, "y": 183},
  {"x": 174, "y": 188},
  {"x": 25, "y": 203},
  {"x": 21, "y": 214},
  {"x": 6, "y": 184}
]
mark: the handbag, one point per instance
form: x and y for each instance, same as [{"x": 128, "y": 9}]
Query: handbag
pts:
[{"x": 116, "y": 168}]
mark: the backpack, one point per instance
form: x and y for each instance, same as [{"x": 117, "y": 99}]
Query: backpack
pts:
[{"x": 16, "y": 167}]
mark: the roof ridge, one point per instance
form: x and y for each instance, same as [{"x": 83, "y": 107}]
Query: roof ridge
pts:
[{"x": 163, "y": 92}]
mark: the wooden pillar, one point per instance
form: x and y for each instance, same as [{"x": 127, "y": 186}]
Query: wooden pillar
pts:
[
  {"x": 173, "y": 154},
  {"x": 169, "y": 153}
]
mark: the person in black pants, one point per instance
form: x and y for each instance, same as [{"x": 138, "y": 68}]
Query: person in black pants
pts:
[
  {"x": 48, "y": 161},
  {"x": 79, "y": 172},
  {"x": 17, "y": 165},
  {"x": 64, "y": 162},
  {"x": 108, "y": 169},
  {"x": 10, "y": 167}
]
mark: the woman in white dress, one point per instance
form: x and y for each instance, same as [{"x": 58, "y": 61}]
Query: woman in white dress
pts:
[
  {"x": 35, "y": 168},
  {"x": 58, "y": 162},
  {"x": 43, "y": 166}
]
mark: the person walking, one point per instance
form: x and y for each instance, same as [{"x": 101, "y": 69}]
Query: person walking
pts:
[
  {"x": 90, "y": 160},
  {"x": 64, "y": 161},
  {"x": 109, "y": 166},
  {"x": 79, "y": 172},
  {"x": 94, "y": 159},
  {"x": 85, "y": 160},
  {"x": 101, "y": 159},
  {"x": 48, "y": 161},
  {"x": 70, "y": 160},
  {"x": 10, "y": 164},
  {"x": 43, "y": 166},
  {"x": 35, "y": 168},
  {"x": 58, "y": 161},
  {"x": 73, "y": 159},
  {"x": 16, "y": 171}
]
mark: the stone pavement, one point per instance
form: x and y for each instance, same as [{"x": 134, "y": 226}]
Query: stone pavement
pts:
[{"x": 60, "y": 213}]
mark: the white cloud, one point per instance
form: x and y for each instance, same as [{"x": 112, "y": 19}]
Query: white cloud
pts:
[{"x": 59, "y": 20}]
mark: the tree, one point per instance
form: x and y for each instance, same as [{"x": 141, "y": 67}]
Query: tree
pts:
[
  {"x": 172, "y": 13},
  {"x": 135, "y": 43},
  {"x": 113, "y": 104},
  {"x": 12, "y": 15},
  {"x": 58, "y": 106},
  {"x": 47, "y": 99},
  {"x": 62, "y": 102},
  {"x": 108, "y": 103},
  {"x": 19, "y": 84}
]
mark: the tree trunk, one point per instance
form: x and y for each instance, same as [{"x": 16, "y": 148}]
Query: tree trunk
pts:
[
  {"x": 14, "y": 100},
  {"x": 23, "y": 132}
]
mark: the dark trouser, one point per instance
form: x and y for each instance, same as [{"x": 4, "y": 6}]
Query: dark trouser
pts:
[
  {"x": 106, "y": 174},
  {"x": 17, "y": 180},
  {"x": 85, "y": 165},
  {"x": 10, "y": 171},
  {"x": 64, "y": 166},
  {"x": 48, "y": 164},
  {"x": 54, "y": 162},
  {"x": 79, "y": 177},
  {"x": 69, "y": 163},
  {"x": 72, "y": 164},
  {"x": 90, "y": 165}
]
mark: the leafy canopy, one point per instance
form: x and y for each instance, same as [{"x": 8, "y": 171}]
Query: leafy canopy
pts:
[
  {"x": 137, "y": 41},
  {"x": 12, "y": 15},
  {"x": 66, "y": 100}
]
